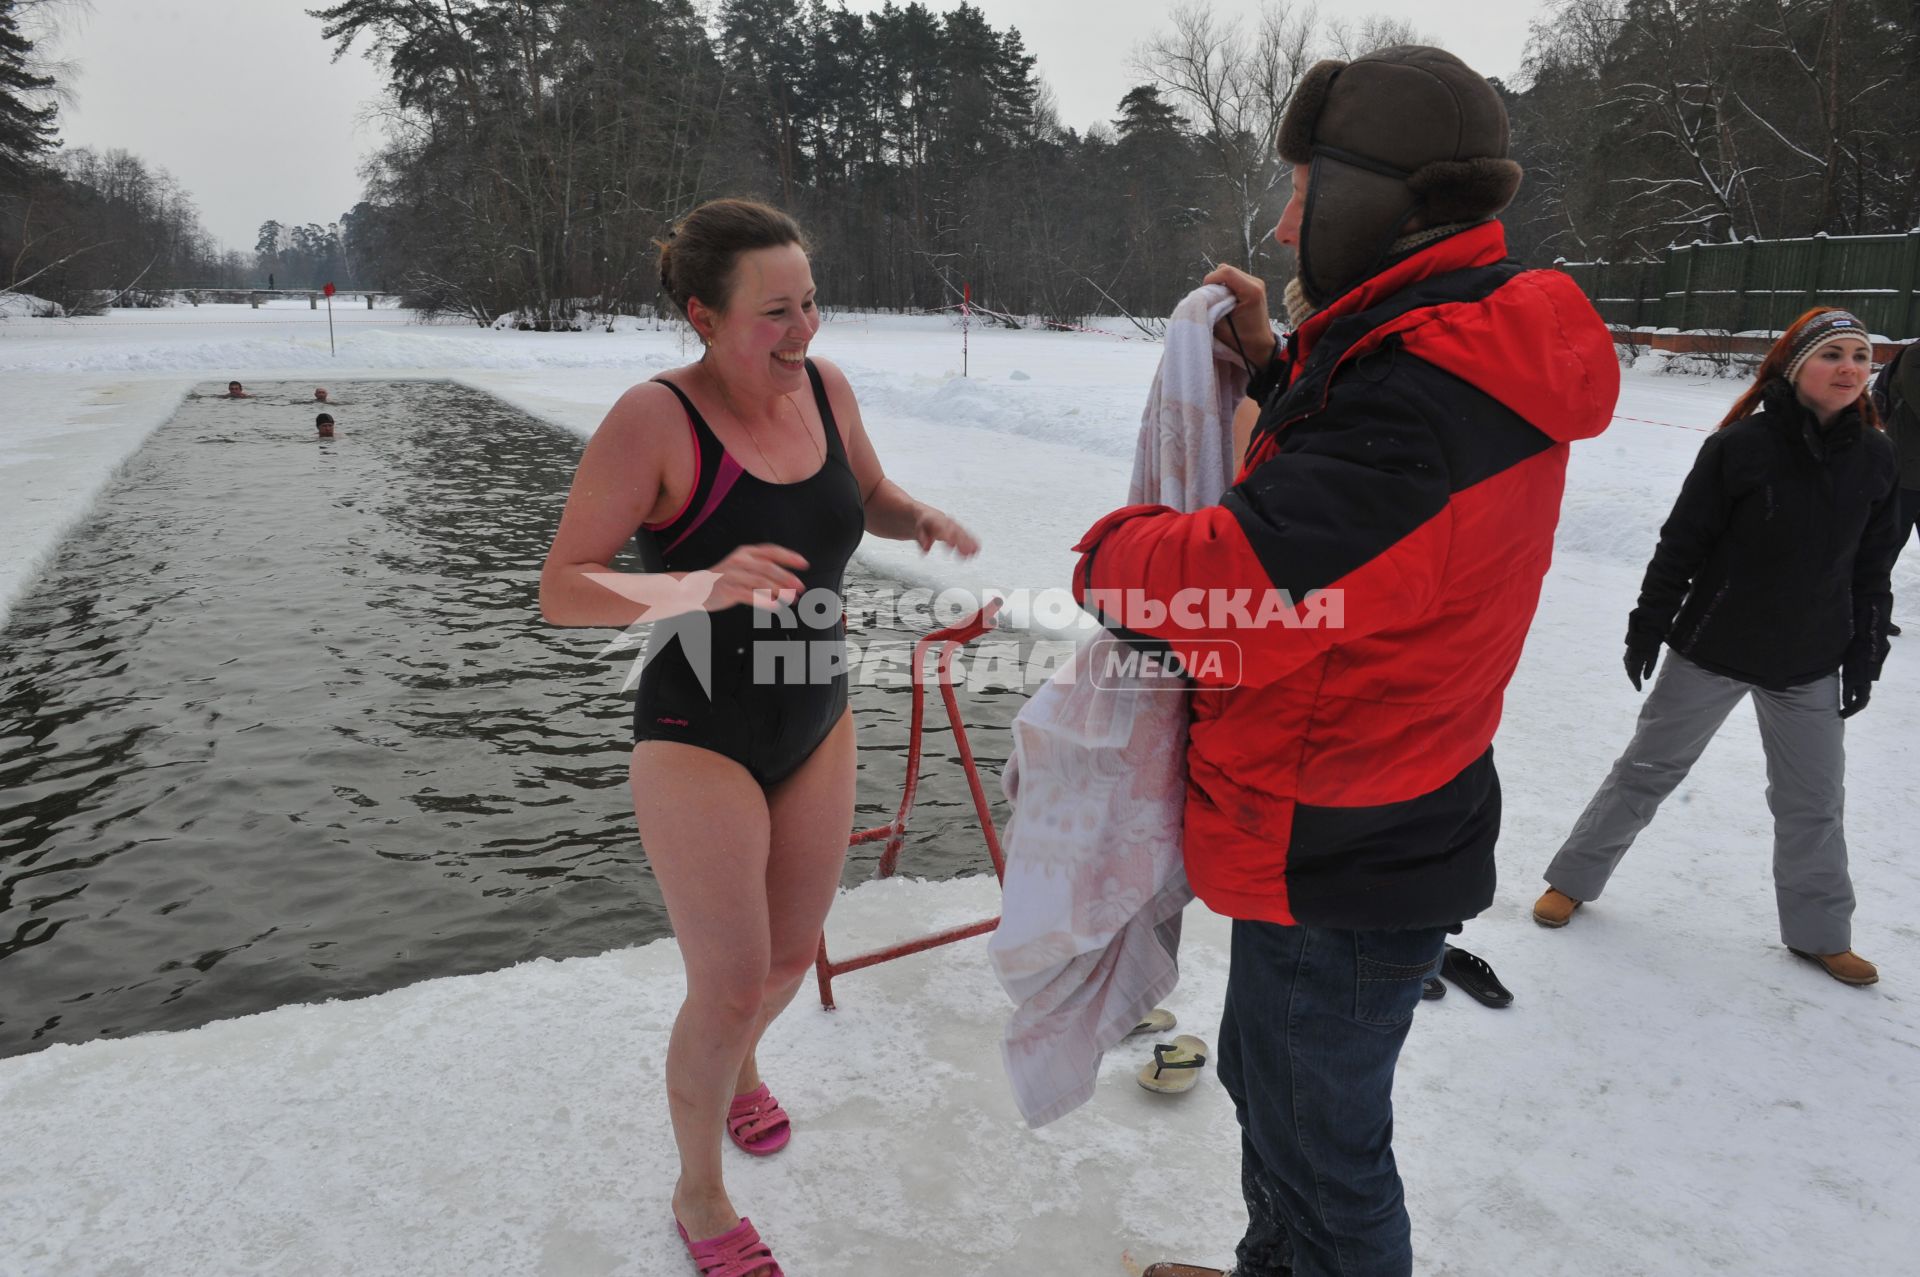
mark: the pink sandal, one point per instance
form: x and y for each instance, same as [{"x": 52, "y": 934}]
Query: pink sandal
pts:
[
  {"x": 734, "y": 1253},
  {"x": 757, "y": 1123}
]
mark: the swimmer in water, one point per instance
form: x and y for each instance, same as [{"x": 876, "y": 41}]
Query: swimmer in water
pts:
[
  {"x": 323, "y": 425},
  {"x": 236, "y": 391}
]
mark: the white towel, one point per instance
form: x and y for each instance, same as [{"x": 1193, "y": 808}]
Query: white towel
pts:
[
  {"x": 1184, "y": 456},
  {"x": 1090, "y": 925}
]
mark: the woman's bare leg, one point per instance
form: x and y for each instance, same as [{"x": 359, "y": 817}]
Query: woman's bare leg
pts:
[
  {"x": 811, "y": 814},
  {"x": 703, "y": 823}
]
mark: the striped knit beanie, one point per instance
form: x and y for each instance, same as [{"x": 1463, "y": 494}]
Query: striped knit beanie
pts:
[{"x": 1833, "y": 326}]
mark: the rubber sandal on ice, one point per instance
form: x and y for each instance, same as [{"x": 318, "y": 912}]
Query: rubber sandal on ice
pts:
[
  {"x": 1475, "y": 977},
  {"x": 1176, "y": 1065},
  {"x": 738, "y": 1252},
  {"x": 1432, "y": 989},
  {"x": 757, "y": 1123},
  {"x": 1158, "y": 1020}
]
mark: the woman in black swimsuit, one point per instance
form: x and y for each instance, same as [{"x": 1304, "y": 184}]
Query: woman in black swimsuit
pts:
[{"x": 747, "y": 480}]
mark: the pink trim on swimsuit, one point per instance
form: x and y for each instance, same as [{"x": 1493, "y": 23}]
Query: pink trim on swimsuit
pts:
[
  {"x": 729, "y": 475},
  {"x": 693, "y": 432}
]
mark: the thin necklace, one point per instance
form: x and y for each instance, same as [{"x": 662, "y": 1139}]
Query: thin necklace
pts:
[{"x": 765, "y": 460}]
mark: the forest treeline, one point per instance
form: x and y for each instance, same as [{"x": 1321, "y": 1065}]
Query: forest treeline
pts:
[
  {"x": 86, "y": 228},
  {"x": 535, "y": 149}
]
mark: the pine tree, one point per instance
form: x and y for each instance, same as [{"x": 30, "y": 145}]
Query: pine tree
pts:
[
  {"x": 26, "y": 131},
  {"x": 1145, "y": 114}
]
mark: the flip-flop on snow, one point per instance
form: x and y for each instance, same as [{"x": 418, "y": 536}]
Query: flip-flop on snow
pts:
[
  {"x": 1158, "y": 1020},
  {"x": 734, "y": 1253},
  {"x": 1475, "y": 977},
  {"x": 757, "y": 1123},
  {"x": 1176, "y": 1065},
  {"x": 1432, "y": 989}
]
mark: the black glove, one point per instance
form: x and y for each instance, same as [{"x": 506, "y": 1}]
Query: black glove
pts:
[
  {"x": 1644, "y": 638},
  {"x": 1856, "y": 686},
  {"x": 1641, "y": 657}
]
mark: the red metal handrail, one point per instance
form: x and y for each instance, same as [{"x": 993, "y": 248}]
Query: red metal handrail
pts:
[{"x": 949, "y": 641}]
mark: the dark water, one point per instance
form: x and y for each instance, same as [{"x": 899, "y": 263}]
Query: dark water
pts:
[{"x": 281, "y": 723}]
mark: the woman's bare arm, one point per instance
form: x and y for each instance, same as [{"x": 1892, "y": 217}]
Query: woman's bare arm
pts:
[
  {"x": 614, "y": 489},
  {"x": 891, "y": 512},
  {"x": 619, "y": 481}
]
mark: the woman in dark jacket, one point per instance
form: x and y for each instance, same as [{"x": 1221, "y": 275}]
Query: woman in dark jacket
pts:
[{"x": 1771, "y": 579}]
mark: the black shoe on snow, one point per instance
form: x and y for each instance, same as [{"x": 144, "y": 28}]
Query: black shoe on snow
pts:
[{"x": 1475, "y": 977}]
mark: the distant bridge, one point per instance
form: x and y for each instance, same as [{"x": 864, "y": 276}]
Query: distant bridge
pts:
[{"x": 254, "y": 296}]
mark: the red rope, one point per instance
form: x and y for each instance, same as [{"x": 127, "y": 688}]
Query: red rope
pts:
[{"x": 1648, "y": 421}]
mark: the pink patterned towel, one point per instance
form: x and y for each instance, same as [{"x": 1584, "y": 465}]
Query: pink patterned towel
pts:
[{"x": 1090, "y": 925}]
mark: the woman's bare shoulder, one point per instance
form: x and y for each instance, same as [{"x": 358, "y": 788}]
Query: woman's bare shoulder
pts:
[
  {"x": 645, "y": 401},
  {"x": 831, "y": 376},
  {"x": 638, "y": 415},
  {"x": 839, "y": 394}
]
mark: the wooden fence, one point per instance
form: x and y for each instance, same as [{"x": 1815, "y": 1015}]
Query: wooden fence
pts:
[{"x": 1762, "y": 285}]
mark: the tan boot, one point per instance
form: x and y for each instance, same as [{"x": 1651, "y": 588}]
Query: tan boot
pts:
[
  {"x": 1555, "y": 908},
  {"x": 1846, "y": 966}
]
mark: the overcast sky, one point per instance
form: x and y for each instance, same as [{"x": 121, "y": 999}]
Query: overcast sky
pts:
[{"x": 238, "y": 98}]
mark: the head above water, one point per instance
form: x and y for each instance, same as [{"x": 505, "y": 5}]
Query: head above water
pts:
[
  {"x": 1402, "y": 139},
  {"x": 319, "y": 394},
  {"x": 738, "y": 271},
  {"x": 324, "y": 424},
  {"x": 1825, "y": 358},
  {"x": 234, "y": 388}
]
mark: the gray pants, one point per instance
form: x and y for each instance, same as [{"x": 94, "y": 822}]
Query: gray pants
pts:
[{"x": 1804, "y": 739}]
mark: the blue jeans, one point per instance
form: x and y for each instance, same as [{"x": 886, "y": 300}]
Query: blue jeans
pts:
[{"x": 1313, "y": 1028}]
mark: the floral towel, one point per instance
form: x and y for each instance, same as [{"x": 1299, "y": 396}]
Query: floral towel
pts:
[
  {"x": 1184, "y": 457},
  {"x": 1090, "y": 926}
]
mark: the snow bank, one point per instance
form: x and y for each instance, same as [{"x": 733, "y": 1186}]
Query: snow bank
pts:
[{"x": 26, "y": 305}]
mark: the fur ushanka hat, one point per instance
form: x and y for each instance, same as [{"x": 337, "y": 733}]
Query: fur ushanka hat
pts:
[{"x": 1404, "y": 133}]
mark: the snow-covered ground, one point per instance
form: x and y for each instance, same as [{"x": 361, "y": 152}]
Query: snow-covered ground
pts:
[{"x": 1671, "y": 1093}]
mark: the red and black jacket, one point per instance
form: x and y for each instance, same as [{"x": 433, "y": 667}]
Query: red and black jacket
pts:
[{"x": 1392, "y": 523}]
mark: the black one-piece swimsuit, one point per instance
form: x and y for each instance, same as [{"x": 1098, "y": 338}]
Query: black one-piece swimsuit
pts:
[{"x": 778, "y": 680}]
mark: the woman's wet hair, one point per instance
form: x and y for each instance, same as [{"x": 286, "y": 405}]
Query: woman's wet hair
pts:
[
  {"x": 699, "y": 256},
  {"x": 1770, "y": 383}
]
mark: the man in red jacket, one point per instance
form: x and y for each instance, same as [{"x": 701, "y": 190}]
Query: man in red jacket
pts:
[{"x": 1370, "y": 579}]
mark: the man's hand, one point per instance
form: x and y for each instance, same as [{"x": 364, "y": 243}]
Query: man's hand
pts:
[{"x": 1247, "y": 329}]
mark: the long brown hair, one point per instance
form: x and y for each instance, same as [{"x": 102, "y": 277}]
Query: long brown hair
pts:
[{"x": 1773, "y": 369}]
